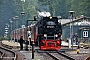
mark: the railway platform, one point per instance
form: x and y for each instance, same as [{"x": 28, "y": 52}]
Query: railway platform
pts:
[
  {"x": 16, "y": 45},
  {"x": 12, "y": 44},
  {"x": 66, "y": 44},
  {"x": 28, "y": 54}
]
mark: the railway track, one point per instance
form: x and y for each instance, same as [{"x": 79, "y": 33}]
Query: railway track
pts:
[
  {"x": 59, "y": 56},
  {"x": 17, "y": 54},
  {"x": 55, "y": 55},
  {"x": 6, "y": 54},
  {"x": 84, "y": 54},
  {"x": 81, "y": 56}
]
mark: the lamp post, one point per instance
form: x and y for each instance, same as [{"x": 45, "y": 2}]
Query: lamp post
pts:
[
  {"x": 14, "y": 28},
  {"x": 23, "y": 4},
  {"x": 6, "y": 29},
  {"x": 32, "y": 36},
  {"x": 16, "y": 24},
  {"x": 71, "y": 28},
  {"x": 22, "y": 13},
  {"x": 11, "y": 28}
]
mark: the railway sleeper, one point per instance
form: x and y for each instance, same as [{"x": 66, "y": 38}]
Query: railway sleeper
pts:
[
  {"x": 7, "y": 58},
  {"x": 10, "y": 47},
  {"x": 15, "y": 47},
  {"x": 52, "y": 56},
  {"x": 67, "y": 56},
  {"x": 7, "y": 46},
  {"x": 88, "y": 58},
  {"x": 2, "y": 55}
]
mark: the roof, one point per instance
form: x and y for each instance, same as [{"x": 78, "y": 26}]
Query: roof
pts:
[
  {"x": 64, "y": 21},
  {"x": 67, "y": 21}
]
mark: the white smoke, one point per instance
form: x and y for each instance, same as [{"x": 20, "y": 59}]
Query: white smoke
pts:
[
  {"x": 44, "y": 14},
  {"x": 23, "y": 0}
]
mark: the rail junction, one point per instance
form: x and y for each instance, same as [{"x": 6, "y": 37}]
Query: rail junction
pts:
[{"x": 64, "y": 53}]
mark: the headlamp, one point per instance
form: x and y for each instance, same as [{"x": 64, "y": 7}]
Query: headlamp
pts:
[
  {"x": 45, "y": 35},
  {"x": 56, "y": 35},
  {"x": 50, "y": 17}
]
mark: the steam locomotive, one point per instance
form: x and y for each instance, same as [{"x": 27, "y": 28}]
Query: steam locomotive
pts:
[{"x": 46, "y": 33}]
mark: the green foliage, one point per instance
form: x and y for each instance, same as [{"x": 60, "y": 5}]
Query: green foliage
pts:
[
  {"x": 81, "y": 7},
  {"x": 4, "y": 38},
  {"x": 1, "y": 38},
  {"x": 11, "y": 8}
]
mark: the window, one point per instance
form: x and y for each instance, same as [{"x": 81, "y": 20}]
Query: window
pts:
[{"x": 85, "y": 33}]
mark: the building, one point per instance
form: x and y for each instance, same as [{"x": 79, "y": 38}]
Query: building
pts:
[{"x": 81, "y": 26}]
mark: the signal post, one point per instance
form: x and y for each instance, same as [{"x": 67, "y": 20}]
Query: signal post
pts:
[{"x": 32, "y": 36}]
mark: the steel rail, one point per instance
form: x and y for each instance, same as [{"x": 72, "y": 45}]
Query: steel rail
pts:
[
  {"x": 9, "y": 51},
  {"x": 65, "y": 55},
  {"x": 52, "y": 56}
]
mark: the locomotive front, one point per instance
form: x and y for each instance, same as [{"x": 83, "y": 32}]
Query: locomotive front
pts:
[{"x": 49, "y": 31}]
